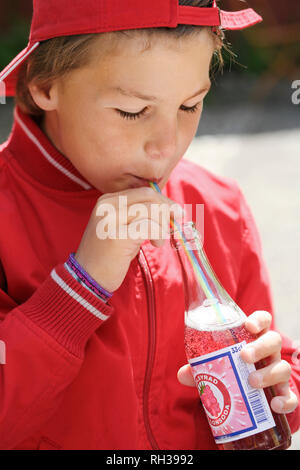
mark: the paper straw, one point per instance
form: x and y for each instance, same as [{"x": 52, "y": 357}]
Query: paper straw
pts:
[{"x": 194, "y": 262}]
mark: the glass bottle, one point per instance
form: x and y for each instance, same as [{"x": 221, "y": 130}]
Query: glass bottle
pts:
[{"x": 239, "y": 416}]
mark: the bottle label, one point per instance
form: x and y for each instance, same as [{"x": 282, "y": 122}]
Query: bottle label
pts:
[{"x": 234, "y": 409}]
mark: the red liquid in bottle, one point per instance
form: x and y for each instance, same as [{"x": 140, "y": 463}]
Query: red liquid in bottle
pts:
[{"x": 201, "y": 342}]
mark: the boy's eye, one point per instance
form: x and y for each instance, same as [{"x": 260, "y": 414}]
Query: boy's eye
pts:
[{"x": 126, "y": 115}]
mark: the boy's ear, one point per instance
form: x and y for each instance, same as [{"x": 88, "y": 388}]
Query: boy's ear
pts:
[{"x": 44, "y": 96}]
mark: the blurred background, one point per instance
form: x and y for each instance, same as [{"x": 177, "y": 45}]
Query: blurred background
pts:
[{"x": 249, "y": 131}]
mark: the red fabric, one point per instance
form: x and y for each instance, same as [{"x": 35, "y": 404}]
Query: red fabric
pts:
[
  {"x": 203, "y": 16},
  {"x": 81, "y": 374},
  {"x": 100, "y": 16}
]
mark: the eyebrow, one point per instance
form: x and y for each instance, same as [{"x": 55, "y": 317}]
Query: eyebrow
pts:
[{"x": 136, "y": 94}]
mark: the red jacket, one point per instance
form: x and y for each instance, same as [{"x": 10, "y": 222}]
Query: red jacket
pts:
[{"x": 80, "y": 374}]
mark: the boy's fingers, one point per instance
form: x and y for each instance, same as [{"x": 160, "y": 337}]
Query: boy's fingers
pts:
[
  {"x": 150, "y": 211},
  {"x": 286, "y": 401},
  {"x": 275, "y": 373},
  {"x": 185, "y": 376},
  {"x": 138, "y": 195},
  {"x": 147, "y": 229},
  {"x": 258, "y": 322},
  {"x": 266, "y": 345}
]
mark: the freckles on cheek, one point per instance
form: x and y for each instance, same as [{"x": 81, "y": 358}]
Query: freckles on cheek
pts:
[
  {"x": 189, "y": 132},
  {"x": 119, "y": 155},
  {"x": 118, "y": 140},
  {"x": 107, "y": 151}
]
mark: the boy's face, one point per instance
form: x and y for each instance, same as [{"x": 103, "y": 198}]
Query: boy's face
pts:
[{"x": 113, "y": 152}]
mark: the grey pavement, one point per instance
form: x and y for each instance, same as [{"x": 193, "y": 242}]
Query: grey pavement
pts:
[{"x": 258, "y": 146}]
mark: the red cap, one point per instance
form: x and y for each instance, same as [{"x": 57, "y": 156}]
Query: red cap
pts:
[{"x": 55, "y": 18}]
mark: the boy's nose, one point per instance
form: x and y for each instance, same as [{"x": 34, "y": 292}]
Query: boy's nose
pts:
[{"x": 163, "y": 143}]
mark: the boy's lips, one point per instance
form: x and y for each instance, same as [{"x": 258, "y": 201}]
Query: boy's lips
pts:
[{"x": 140, "y": 182}]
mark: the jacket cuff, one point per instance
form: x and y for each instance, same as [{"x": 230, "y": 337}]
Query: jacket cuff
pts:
[{"x": 66, "y": 310}]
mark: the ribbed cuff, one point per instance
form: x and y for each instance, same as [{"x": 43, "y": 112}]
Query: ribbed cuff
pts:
[
  {"x": 73, "y": 273},
  {"x": 66, "y": 310}
]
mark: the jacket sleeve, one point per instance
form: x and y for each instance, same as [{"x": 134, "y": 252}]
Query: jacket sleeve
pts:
[
  {"x": 42, "y": 347},
  {"x": 254, "y": 293}
]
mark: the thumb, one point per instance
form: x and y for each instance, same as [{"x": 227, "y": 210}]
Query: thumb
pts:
[{"x": 185, "y": 376}]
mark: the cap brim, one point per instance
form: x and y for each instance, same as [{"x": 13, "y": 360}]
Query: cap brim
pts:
[
  {"x": 9, "y": 75},
  {"x": 239, "y": 19}
]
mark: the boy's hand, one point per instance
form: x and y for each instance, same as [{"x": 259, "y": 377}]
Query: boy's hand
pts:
[
  {"x": 107, "y": 258},
  {"x": 276, "y": 373}
]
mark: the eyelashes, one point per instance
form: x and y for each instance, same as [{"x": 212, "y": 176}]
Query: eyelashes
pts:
[{"x": 134, "y": 116}]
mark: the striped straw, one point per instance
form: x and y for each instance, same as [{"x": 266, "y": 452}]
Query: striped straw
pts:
[{"x": 195, "y": 265}]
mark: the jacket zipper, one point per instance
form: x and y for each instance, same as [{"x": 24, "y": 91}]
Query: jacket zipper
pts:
[{"x": 151, "y": 346}]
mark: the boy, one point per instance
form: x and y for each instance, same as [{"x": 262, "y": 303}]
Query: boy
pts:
[{"x": 94, "y": 344}]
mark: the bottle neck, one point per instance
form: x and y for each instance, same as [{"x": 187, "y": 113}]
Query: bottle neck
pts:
[{"x": 206, "y": 301}]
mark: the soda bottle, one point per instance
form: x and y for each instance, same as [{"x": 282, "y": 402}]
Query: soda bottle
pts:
[{"x": 240, "y": 416}]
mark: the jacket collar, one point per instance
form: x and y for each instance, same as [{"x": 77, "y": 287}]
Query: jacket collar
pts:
[{"x": 39, "y": 158}]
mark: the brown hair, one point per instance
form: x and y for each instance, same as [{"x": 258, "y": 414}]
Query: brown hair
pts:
[{"x": 56, "y": 57}]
